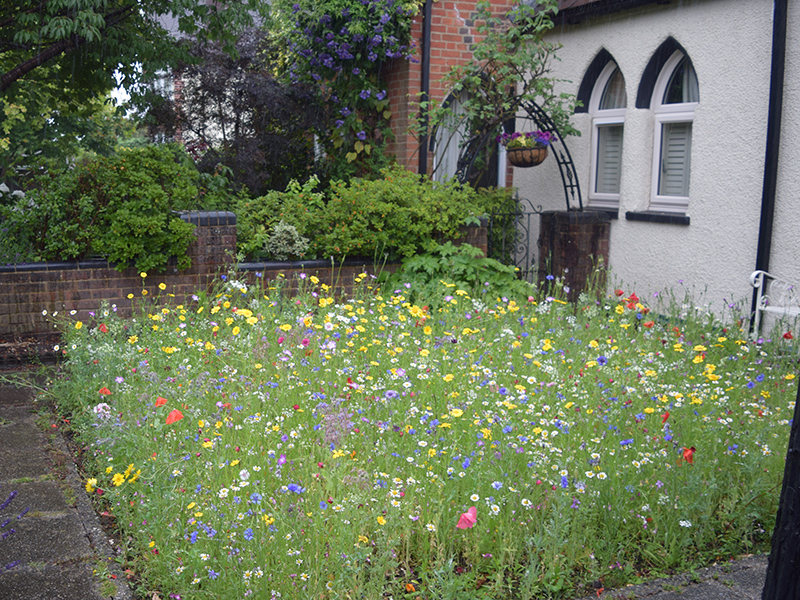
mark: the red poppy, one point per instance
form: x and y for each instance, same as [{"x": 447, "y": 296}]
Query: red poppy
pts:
[
  {"x": 618, "y": 292},
  {"x": 688, "y": 454},
  {"x": 103, "y": 328},
  {"x": 104, "y": 391},
  {"x": 160, "y": 401},
  {"x": 174, "y": 416},
  {"x": 788, "y": 335},
  {"x": 664, "y": 417},
  {"x": 468, "y": 519},
  {"x": 631, "y": 305},
  {"x": 648, "y": 324},
  {"x": 634, "y": 298}
]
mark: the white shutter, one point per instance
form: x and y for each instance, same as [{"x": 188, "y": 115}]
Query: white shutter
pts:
[
  {"x": 609, "y": 159},
  {"x": 676, "y": 150}
]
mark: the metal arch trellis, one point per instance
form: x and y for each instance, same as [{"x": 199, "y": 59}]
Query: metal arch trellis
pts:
[{"x": 473, "y": 148}]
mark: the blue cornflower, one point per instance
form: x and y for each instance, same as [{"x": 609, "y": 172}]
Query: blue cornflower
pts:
[
  {"x": 497, "y": 485},
  {"x": 323, "y": 505},
  {"x": 248, "y": 534},
  {"x": 601, "y": 360},
  {"x": 212, "y": 574},
  {"x": 564, "y": 481},
  {"x": 293, "y": 487},
  {"x": 626, "y": 442},
  {"x": 465, "y": 464}
]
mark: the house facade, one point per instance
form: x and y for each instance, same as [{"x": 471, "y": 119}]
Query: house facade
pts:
[{"x": 674, "y": 142}]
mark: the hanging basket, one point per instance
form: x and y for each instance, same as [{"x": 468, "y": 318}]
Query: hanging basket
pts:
[{"x": 526, "y": 157}]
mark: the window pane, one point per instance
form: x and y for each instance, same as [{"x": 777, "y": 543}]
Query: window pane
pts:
[
  {"x": 682, "y": 85},
  {"x": 614, "y": 96},
  {"x": 609, "y": 158},
  {"x": 676, "y": 150}
]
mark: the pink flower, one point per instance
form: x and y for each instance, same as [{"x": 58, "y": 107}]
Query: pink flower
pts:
[
  {"x": 468, "y": 519},
  {"x": 305, "y": 342},
  {"x": 280, "y": 339}
]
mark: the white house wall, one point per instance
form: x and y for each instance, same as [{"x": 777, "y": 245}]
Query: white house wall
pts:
[{"x": 729, "y": 44}]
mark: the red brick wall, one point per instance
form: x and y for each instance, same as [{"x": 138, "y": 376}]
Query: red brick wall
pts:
[
  {"x": 27, "y": 291},
  {"x": 453, "y": 33}
]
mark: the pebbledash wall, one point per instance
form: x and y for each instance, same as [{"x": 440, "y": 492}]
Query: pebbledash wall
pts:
[{"x": 31, "y": 293}]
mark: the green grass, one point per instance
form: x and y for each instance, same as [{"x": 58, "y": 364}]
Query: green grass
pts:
[{"x": 252, "y": 444}]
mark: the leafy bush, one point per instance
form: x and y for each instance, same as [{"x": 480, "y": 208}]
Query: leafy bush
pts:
[
  {"x": 256, "y": 218},
  {"x": 461, "y": 267},
  {"x": 286, "y": 243},
  {"x": 121, "y": 207},
  {"x": 394, "y": 216}
]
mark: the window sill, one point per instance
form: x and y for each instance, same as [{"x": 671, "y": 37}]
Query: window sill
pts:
[{"x": 657, "y": 217}]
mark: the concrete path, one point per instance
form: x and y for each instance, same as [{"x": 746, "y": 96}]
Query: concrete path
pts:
[
  {"x": 58, "y": 550},
  {"x": 52, "y": 546}
]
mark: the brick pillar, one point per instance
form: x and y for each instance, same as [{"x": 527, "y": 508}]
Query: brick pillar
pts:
[{"x": 573, "y": 244}]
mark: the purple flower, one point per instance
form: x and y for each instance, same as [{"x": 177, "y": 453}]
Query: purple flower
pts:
[
  {"x": 248, "y": 534},
  {"x": 390, "y": 394},
  {"x": 601, "y": 360},
  {"x": 365, "y": 94},
  {"x": 381, "y": 95},
  {"x": 338, "y": 123},
  {"x": 361, "y": 135},
  {"x": 281, "y": 460}
]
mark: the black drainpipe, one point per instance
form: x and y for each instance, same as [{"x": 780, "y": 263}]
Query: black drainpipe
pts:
[
  {"x": 425, "y": 84},
  {"x": 779, "y": 19}
]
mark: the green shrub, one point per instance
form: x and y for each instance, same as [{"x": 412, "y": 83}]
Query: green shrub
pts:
[
  {"x": 393, "y": 216},
  {"x": 285, "y": 243},
  {"x": 256, "y": 218},
  {"x": 122, "y": 208},
  {"x": 461, "y": 267}
]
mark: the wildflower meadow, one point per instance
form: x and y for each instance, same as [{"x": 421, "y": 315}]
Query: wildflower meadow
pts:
[{"x": 252, "y": 443}]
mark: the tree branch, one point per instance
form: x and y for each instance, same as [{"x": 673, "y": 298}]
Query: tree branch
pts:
[{"x": 58, "y": 48}]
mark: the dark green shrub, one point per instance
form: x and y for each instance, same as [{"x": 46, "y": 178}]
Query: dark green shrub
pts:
[{"x": 122, "y": 208}]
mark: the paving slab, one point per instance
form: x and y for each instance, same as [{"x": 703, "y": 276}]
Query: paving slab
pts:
[{"x": 51, "y": 540}]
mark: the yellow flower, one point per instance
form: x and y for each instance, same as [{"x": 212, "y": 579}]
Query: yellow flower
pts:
[
  {"x": 381, "y": 521},
  {"x": 314, "y": 279},
  {"x": 78, "y": 325},
  {"x": 144, "y": 292},
  {"x": 449, "y": 377},
  {"x": 456, "y": 412},
  {"x": 90, "y": 485},
  {"x": 118, "y": 479},
  {"x": 236, "y": 330},
  {"x": 285, "y": 327},
  {"x": 142, "y": 274},
  {"x": 427, "y": 330},
  {"x": 130, "y": 296},
  {"x": 162, "y": 286}
]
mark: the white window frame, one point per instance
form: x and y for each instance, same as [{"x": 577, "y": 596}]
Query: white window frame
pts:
[
  {"x": 600, "y": 118},
  {"x": 683, "y": 112}
]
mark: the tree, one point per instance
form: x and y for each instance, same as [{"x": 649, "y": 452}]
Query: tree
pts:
[
  {"x": 91, "y": 39},
  {"x": 232, "y": 111}
]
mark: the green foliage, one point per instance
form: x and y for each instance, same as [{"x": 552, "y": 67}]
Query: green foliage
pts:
[
  {"x": 510, "y": 67},
  {"x": 394, "y": 216},
  {"x": 343, "y": 47},
  {"x": 121, "y": 207},
  {"x": 256, "y": 218},
  {"x": 461, "y": 267},
  {"x": 285, "y": 243}
]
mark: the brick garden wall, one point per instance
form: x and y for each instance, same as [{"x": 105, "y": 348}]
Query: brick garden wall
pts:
[{"x": 27, "y": 290}]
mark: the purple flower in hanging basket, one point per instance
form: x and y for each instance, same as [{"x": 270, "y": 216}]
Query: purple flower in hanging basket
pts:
[{"x": 531, "y": 139}]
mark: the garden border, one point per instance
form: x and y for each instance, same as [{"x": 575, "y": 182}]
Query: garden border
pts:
[{"x": 30, "y": 294}]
